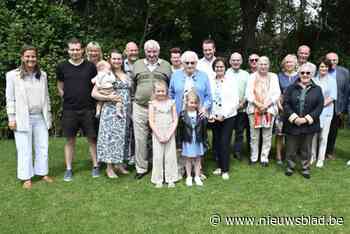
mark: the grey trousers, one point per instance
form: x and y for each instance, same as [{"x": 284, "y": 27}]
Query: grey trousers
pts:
[{"x": 301, "y": 145}]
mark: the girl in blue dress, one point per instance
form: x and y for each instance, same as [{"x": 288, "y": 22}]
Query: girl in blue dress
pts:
[{"x": 193, "y": 137}]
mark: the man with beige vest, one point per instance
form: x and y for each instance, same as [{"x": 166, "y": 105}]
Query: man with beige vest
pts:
[{"x": 145, "y": 72}]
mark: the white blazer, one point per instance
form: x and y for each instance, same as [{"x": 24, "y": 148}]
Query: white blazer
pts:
[{"x": 17, "y": 103}]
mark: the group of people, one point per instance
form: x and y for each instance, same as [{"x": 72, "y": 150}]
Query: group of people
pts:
[{"x": 154, "y": 114}]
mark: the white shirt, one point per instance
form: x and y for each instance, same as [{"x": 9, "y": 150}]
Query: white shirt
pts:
[
  {"x": 225, "y": 97},
  {"x": 241, "y": 78},
  {"x": 206, "y": 66}
]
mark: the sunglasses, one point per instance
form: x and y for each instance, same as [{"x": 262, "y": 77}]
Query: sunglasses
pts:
[
  {"x": 253, "y": 60},
  {"x": 305, "y": 73},
  {"x": 188, "y": 63}
]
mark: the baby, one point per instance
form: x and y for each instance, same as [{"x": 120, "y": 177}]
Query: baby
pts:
[{"x": 104, "y": 83}]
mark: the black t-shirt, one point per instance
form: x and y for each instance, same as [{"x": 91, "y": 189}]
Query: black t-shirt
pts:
[{"x": 77, "y": 85}]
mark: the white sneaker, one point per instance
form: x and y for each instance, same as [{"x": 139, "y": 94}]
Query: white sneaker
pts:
[
  {"x": 159, "y": 185},
  {"x": 319, "y": 164},
  {"x": 348, "y": 163},
  {"x": 312, "y": 160},
  {"x": 217, "y": 171},
  {"x": 171, "y": 185},
  {"x": 225, "y": 176},
  {"x": 189, "y": 181},
  {"x": 203, "y": 177},
  {"x": 198, "y": 181}
]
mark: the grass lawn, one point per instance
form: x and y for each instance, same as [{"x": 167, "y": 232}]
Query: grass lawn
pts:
[{"x": 124, "y": 205}]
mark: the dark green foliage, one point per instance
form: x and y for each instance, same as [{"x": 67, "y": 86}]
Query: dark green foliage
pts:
[{"x": 42, "y": 24}]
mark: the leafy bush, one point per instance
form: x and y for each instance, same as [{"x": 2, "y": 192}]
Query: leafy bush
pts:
[{"x": 42, "y": 24}]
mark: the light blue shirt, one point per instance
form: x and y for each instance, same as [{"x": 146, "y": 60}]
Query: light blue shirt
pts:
[
  {"x": 329, "y": 89},
  {"x": 200, "y": 84}
]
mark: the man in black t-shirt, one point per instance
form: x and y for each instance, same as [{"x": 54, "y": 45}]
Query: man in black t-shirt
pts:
[{"x": 74, "y": 86}]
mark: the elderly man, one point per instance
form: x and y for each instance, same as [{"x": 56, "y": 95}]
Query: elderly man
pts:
[
  {"x": 303, "y": 54},
  {"x": 341, "y": 75},
  {"x": 205, "y": 63},
  {"x": 253, "y": 62},
  {"x": 132, "y": 54},
  {"x": 241, "y": 123},
  {"x": 175, "y": 59},
  {"x": 145, "y": 72}
]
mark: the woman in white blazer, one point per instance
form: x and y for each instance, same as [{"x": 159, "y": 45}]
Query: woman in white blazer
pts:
[{"x": 28, "y": 111}]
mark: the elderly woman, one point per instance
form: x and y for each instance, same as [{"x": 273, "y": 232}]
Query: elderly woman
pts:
[
  {"x": 285, "y": 78},
  {"x": 262, "y": 94},
  {"x": 222, "y": 116},
  {"x": 28, "y": 110},
  {"x": 183, "y": 81},
  {"x": 93, "y": 52},
  {"x": 303, "y": 104},
  {"x": 329, "y": 90},
  {"x": 113, "y": 138}
]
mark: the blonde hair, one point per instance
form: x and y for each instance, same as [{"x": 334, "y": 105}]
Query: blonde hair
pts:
[
  {"x": 101, "y": 64},
  {"x": 93, "y": 45},
  {"x": 293, "y": 57},
  {"x": 159, "y": 83},
  {"x": 192, "y": 95}
]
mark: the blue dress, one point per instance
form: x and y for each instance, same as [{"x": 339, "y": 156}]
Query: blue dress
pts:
[{"x": 193, "y": 149}]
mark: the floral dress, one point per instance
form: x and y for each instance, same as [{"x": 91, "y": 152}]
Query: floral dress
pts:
[{"x": 113, "y": 135}]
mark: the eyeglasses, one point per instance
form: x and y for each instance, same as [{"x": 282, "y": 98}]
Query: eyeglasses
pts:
[
  {"x": 305, "y": 73},
  {"x": 253, "y": 60},
  {"x": 192, "y": 63}
]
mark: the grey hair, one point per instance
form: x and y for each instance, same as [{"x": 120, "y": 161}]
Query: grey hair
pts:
[
  {"x": 151, "y": 44},
  {"x": 189, "y": 54},
  {"x": 307, "y": 66}
]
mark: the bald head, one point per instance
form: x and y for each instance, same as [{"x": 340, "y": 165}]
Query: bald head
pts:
[
  {"x": 236, "y": 61},
  {"x": 333, "y": 57},
  {"x": 131, "y": 51},
  {"x": 303, "y": 54}
]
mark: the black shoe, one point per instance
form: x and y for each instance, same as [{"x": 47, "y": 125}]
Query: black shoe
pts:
[
  {"x": 139, "y": 176},
  {"x": 238, "y": 156},
  {"x": 288, "y": 173},
  {"x": 306, "y": 176},
  {"x": 264, "y": 164}
]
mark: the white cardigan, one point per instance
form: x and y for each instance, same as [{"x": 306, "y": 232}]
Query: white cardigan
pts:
[
  {"x": 273, "y": 93},
  {"x": 229, "y": 95},
  {"x": 17, "y": 103}
]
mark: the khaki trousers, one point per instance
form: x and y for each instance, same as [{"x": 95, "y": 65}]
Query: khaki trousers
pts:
[{"x": 141, "y": 133}]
